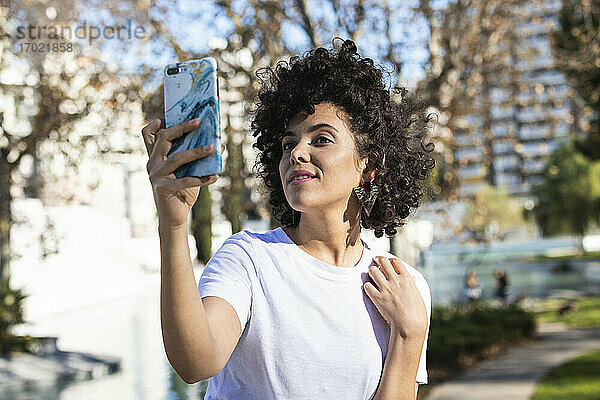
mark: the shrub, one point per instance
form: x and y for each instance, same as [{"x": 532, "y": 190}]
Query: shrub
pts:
[
  {"x": 11, "y": 314},
  {"x": 459, "y": 332}
]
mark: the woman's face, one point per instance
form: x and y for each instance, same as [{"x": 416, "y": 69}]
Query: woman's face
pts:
[{"x": 321, "y": 144}]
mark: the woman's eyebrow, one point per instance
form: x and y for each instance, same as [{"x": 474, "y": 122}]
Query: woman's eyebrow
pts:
[{"x": 311, "y": 129}]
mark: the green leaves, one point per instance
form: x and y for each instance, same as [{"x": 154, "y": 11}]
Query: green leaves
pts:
[
  {"x": 11, "y": 314},
  {"x": 11, "y": 306},
  {"x": 568, "y": 198}
]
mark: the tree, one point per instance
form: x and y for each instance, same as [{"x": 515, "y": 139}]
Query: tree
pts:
[
  {"x": 576, "y": 47},
  {"x": 492, "y": 214},
  {"x": 45, "y": 113},
  {"x": 257, "y": 33},
  {"x": 201, "y": 224},
  {"x": 470, "y": 43},
  {"x": 476, "y": 49},
  {"x": 568, "y": 198},
  {"x": 443, "y": 84}
]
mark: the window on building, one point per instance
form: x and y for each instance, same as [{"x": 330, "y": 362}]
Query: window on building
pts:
[
  {"x": 534, "y": 131},
  {"x": 469, "y": 153},
  {"x": 470, "y": 188},
  {"x": 533, "y": 165},
  {"x": 562, "y": 129},
  {"x": 502, "y": 111},
  {"x": 533, "y": 179},
  {"x": 531, "y": 114},
  {"x": 502, "y": 146},
  {"x": 534, "y": 149},
  {"x": 505, "y": 163},
  {"x": 498, "y": 95},
  {"x": 471, "y": 171},
  {"x": 560, "y": 112},
  {"x": 503, "y": 128},
  {"x": 508, "y": 179}
]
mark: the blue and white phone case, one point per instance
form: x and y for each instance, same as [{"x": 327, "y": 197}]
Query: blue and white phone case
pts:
[{"x": 193, "y": 93}]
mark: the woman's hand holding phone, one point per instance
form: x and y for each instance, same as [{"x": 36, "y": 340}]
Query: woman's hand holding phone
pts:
[{"x": 174, "y": 197}]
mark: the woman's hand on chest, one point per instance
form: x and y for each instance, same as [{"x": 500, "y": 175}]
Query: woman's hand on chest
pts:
[{"x": 397, "y": 298}]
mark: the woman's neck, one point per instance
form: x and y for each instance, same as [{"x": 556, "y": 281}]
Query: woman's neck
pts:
[{"x": 337, "y": 244}]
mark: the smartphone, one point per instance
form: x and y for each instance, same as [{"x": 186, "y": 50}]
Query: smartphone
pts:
[{"x": 191, "y": 91}]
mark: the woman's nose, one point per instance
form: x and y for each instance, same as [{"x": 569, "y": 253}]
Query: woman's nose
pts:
[{"x": 300, "y": 153}]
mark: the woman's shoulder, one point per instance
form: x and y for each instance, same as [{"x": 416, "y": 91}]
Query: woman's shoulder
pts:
[
  {"x": 247, "y": 246},
  {"x": 248, "y": 238}
]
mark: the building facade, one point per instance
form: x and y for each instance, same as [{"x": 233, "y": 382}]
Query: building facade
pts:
[{"x": 523, "y": 106}]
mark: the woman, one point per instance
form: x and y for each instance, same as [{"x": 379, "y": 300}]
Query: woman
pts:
[{"x": 304, "y": 310}]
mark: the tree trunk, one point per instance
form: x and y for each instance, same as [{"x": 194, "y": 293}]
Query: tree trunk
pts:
[
  {"x": 233, "y": 195},
  {"x": 5, "y": 216},
  {"x": 201, "y": 225}
]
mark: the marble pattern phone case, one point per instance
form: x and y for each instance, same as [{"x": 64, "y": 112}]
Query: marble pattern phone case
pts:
[{"x": 194, "y": 93}]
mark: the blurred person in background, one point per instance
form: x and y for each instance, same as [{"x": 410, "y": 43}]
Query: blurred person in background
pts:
[
  {"x": 306, "y": 310},
  {"x": 473, "y": 290},
  {"x": 501, "y": 285}
]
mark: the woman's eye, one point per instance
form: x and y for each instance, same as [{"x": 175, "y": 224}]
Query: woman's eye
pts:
[
  {"x": 285, "y": 146},
  {"x": 326, "y": 139},
  {"x": 290, "y": 145}
]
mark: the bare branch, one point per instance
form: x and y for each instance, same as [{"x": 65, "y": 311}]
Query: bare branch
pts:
[
  {"x": 306, "y": 22},
  {"x": 360, "y": 16}
]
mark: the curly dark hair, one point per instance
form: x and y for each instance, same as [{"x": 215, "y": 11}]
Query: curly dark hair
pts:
[{"x": 390, "y": 133}]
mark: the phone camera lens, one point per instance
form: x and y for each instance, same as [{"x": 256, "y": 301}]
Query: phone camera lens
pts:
[{"x": 173, "y": 71}]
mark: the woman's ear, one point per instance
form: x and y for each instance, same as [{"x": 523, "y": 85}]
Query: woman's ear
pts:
[
  {"x": 368, "y": 170},
  {"x": 368, "y": 176}
]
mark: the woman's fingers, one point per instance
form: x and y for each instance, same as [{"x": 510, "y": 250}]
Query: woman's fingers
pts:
[
  {"x": 386, "y": 267},
  {"x": 399, "y": 267},
  {"x": 180, "y": 184},
  {"x": 165, "y": 137},
  {"x": 175, "y": 160},
  {"x": 377, "y": 276},
  {"x": 149, "y": 134}
]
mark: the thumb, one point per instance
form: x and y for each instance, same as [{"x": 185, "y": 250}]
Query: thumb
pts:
[{"x": 188, "y": 197}]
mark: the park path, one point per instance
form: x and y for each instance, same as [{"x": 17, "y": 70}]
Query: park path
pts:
[{"x": 515, "y": 374}]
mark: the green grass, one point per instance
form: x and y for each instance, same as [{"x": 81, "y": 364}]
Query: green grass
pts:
[
  {"x": 575, "y": 379},
  {"x": 586, "y": 316},
  {"x": 587, "y": 255}
]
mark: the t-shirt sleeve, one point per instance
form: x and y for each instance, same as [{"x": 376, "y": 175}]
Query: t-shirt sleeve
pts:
[
  {"x": 226, "y": 275},
  {"x": 423, "y": 287}
]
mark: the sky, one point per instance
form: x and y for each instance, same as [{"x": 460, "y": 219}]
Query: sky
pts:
[{"x": 194, "y": 29}]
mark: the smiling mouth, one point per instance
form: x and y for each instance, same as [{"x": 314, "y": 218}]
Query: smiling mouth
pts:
[{"x": 300, "y": 180}]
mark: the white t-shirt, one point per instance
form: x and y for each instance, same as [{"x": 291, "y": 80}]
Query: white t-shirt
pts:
[{"x": 309, "y": 331}]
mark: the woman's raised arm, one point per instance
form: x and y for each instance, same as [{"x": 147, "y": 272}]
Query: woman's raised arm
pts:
[{"x": 189, "y": 341}]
